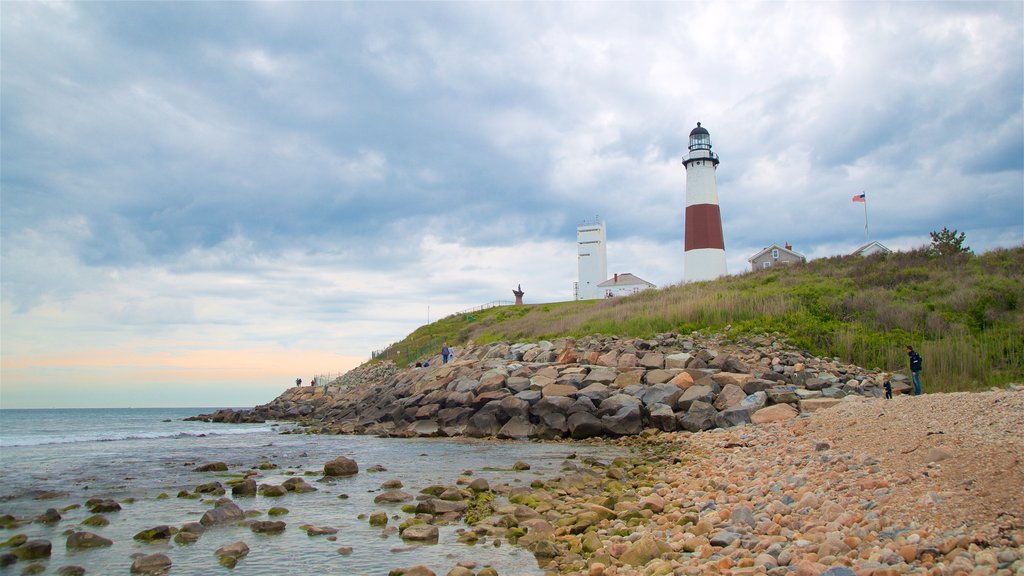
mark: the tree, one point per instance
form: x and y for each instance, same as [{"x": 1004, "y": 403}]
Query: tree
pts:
[{"x": 948, "y": 243}]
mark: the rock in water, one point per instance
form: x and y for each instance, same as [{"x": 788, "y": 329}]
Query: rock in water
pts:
[
  {"x": 151, "y": 564},
  {"x": 85, "y": 540},
  {"x": 33, "y": 550},
  {"x": 341, "y": 466},
  {"x": 420, "y": 533},
  {"x": 225, "y": 511}
]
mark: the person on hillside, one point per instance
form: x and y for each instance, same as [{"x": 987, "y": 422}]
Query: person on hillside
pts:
[
  {"x": 445, "y": 352},
  {"x": 887, "y": 384},
  {"x": 915, "y": 369},
  {"x": 298, "y": 382}
]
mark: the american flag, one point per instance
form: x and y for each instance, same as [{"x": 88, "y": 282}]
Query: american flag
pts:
[{"x": 860, "y": 198}]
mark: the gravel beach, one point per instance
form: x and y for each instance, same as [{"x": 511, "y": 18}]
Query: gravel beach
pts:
[{"x": 914, "y": 485}]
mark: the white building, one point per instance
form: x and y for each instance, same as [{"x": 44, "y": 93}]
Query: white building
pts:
[
  {"x": 873, "y": 247},
  {"x": 592, "y": 259},
  {"x": 703, "y": 241},
  {"x": 623, "y": 285}
]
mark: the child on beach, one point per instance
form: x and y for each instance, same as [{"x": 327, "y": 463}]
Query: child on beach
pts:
[{"x": 888, "y": 388}]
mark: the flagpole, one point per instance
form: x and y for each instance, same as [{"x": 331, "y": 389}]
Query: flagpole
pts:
[{"x": 866, "y": 237}]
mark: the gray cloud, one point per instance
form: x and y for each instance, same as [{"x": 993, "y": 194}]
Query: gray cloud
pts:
[{"x": 308, "y": 168}]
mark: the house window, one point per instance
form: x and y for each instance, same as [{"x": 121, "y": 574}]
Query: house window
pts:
[
  {"x": 775, "y": 253},
  {"x": 766, "y": 265}
]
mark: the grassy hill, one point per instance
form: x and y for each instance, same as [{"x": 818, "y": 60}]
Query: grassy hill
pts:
[{"x": 964, "y": 314}]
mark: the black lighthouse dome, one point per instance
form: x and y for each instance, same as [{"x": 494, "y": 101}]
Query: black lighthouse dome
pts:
[{"x": 700, "y": 138}]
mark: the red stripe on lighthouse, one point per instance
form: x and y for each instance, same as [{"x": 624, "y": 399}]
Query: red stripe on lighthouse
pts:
[{"x": 703, "y": 227}]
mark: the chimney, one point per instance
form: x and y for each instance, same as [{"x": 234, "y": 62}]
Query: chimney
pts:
[
  {"x": 789, "y": 246},
  {"x": 616, "y": 278}
]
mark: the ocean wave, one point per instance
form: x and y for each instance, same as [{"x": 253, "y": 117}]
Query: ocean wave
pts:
[{"x": 43, "y": 440}]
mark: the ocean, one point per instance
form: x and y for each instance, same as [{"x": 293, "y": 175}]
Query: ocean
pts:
[{"x": 139, "y": 454}]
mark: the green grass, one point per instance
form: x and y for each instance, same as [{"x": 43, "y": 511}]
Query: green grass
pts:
[{"x": 964, "y": 314}]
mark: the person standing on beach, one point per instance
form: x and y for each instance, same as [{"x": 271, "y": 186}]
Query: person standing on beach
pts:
[
  {"x": 445, "y": 353},
  {"x": 888, "y": 388},
  {"x": 915, "y": 369},
  {"x": 298, "y": 382}
]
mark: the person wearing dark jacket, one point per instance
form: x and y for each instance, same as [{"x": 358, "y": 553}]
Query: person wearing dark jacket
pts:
[{"x": 915, "y": 369}]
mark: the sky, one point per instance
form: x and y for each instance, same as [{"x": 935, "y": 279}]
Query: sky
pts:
[{"x": 200, "y": 202}]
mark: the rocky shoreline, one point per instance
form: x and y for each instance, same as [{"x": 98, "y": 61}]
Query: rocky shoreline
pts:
[{"x": 595, "y": 386}]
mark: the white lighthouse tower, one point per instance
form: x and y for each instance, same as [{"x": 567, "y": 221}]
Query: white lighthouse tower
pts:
[
  {"x": 592, "y": 259},
  {"x": 704, "y": 245}
]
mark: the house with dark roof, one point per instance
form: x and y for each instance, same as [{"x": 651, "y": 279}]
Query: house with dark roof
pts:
[
  {"x": 623, "y": 285},
  {"x": 775, "y": 255}
]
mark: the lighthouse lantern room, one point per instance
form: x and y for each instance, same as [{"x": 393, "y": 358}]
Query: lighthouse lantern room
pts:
[{"x": 704, "y": 245}]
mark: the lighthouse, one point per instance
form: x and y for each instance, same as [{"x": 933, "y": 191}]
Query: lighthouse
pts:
[{"x": 704, "y": 246}]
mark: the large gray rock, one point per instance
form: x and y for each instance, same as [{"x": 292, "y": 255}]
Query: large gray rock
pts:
[
  {"x": 699, "y": 416},
  {"x": 600, "y": 376},
  {"x": 224, "y": 511},
  {"x": 677, "y": 360},
  {"x": 626, "y": 421},
  {"x": 661, "y": 394},
  {"x": 85, "y": 540},
  {"x": 615, "y": 403},
  {"x": 596, "y": 392},
  {"x": 662, "y": 417},
  {"x": 584, "y": 425},
  {"x": 151, "y": 564},
  {"x": 517, "y": 427},
  {"x": 734, "y": 416},
  {"x": 754, "y": 402},
  {"x": 757, "y": 385},
  {"x": 482, "y": 425},
  {"x": 693, "y": 394}
]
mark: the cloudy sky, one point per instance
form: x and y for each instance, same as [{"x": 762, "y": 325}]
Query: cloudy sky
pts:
[{"x": 203, "y": 201}]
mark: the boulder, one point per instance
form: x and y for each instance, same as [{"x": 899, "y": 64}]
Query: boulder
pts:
[
  {"x": 677, "y": 360},
  {"x": 341, "y": 466},
  {"x": 596, "y": 392},
  {"x": 782, "y": 395},
  {"x": 482, "y": 425},
  {"x": 662, "y": 417},
  {"x": 757, "y": 385},
  {"x": 653, "y": 360},
  {"x": 162, "y": 532},
  {"x": 584, "y": 425},
  {"x": 815, "y": 404},
  {"x": 559, "y": 390},
  {"x": 213, "y": 467},
  {"x": 151, "y": 564},
  {"x": 626, "y": 421},
  {"x": 643, "y": 551},
  {"x": 230, "y": 554},
  {"x": 692, "y": 394},
  {"x": 297, "y": 485},
  {"x": 86, "y": 540},
  {"x": 683, "y": 380},
  {"x": 420, "y": 533},
  {"x": 425, "y": 428},
  {"x": 699, "y": 416},
  {"x": 615, "y": 403},
  {"x": 754, "y": 402},
  {"x": 268, "y": 526},
  {"x": 659, "y": 376},
  {"x": 392, "y": 497},
  {"x": 629, "y": 378},
  {"x": 661, "y": 394},
  {"x": 734, "y": 416},
  {"x": 730, "y": 396},
  {"x": 774, "y": 413},
  {"x": 600, "y": 376},
  {"x": 246, "y": 487},
  {"x": 517, "y": 427},
  {"x": 224, "y": 511}
]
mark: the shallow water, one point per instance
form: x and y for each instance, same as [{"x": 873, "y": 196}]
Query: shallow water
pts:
[{"x": 155, "y": 456}]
